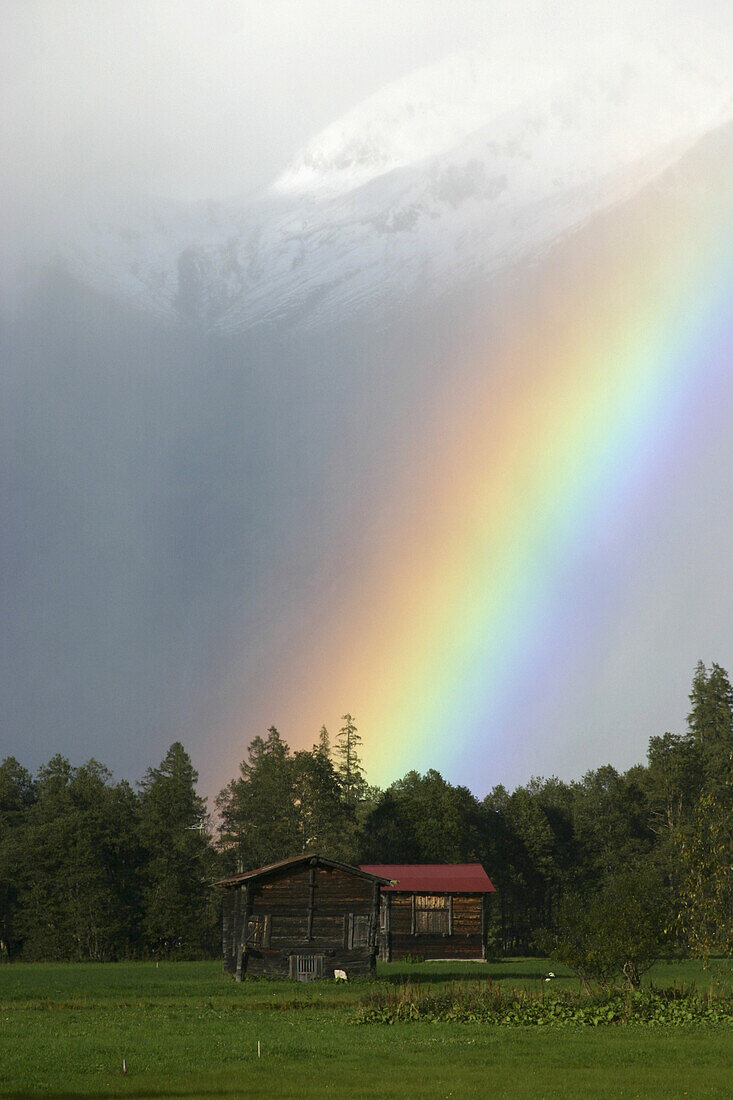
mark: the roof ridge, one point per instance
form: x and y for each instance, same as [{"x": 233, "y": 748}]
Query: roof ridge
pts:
[{"x": 314, "y": 858}]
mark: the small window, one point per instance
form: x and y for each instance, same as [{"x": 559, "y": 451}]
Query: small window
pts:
[
  {"x": 258, "y": 931},
  {"x": 432, "y": 914}
]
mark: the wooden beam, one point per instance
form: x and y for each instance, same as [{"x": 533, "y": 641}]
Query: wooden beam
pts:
[
  {"x": 484, "y": 926},
  {"x": 242, "y": 930},
  {"x": 235, "y": 921},
  {"x": 225, "y": 934},
  {"x": 374, "y": 921},
  {"x": 311, "y": 899},
  {"x": 383, "y": 917}
]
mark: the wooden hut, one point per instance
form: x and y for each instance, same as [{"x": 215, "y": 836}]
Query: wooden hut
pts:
[
  {"x": 301, "y": 918},
  {"x": 432, "y": 910}
]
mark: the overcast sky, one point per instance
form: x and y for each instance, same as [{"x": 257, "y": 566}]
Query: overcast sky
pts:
[
  {"x": 198, "y": 99},
  {"x": 210, "y": 98}
]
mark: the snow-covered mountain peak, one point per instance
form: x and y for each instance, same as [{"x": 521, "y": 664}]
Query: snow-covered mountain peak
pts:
[
  {"x": 614, "y": 88},
  {"x": 436, "y": 180},
  {"x": 419, "y": 116}
]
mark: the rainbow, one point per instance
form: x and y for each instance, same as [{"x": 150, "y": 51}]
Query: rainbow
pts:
[{"x": 536, "y": 459}]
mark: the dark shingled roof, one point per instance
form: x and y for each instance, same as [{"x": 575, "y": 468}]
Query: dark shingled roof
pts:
[
  {"x": 432, "y": 878},
  {"x": 293, "y": 861}
]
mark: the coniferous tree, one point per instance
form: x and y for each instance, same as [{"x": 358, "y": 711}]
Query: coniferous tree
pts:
[
  {"x": 259, "y": 819},
  {"x": 321, "y": 815},
  {"x": 350, "y": 770},
  {"x": 710, "y": 723},
  {"x": 323, "y": 748},
  {"x": 178, "y": 917},
  {"x": 17, "y": 793},
  {"x": 80, "y": 865},
  {"x": 89, "y": 869}
]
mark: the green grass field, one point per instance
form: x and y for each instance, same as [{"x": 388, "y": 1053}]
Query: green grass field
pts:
[{"x": 187, "y": 1032}]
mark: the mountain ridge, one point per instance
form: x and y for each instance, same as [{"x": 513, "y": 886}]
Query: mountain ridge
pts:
[{"x": 437, "y": 205}]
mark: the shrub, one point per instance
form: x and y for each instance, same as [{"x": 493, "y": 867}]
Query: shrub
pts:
[{"x": 486, "y": 1002}]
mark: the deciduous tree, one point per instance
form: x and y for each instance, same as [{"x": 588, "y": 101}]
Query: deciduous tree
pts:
[
  {"x": 615, "y": 930},
  {"x": 704, "y": 890}
]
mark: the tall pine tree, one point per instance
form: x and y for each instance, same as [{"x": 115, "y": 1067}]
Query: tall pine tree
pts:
[
  {"x": 350, "y": 770},
  {"x": 179, "y": 862},
  {"x": 710, "y": 723},
  {"x": 259, "y": 818}
]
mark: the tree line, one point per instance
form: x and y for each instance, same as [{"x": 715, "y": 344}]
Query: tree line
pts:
[{"x": 91, "y": 868}]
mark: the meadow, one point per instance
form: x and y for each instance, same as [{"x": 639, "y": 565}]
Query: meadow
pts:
[{"x": 184, "y": 1031}]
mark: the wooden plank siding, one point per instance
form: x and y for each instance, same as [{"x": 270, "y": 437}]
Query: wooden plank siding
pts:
[
  {"x": 308, "y": 910},
  {"x": 464, "y": 937}
]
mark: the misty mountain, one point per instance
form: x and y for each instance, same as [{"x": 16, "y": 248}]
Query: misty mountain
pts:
[
  {"x": 437, "y": 180},
  {"x": 202, "y": 408}
]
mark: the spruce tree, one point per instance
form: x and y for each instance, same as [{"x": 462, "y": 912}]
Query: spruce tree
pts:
[
  {"x": 322, "y": 818},
  {"x": 350, "y": 770},
  {"x": 710, "y": 723},
  {"x": 259, "y": 817},
  {"x": 323, "y": 748},
  {"x": 179, "y": 862}
]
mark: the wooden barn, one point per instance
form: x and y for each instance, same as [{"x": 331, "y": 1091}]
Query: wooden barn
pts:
[
  {"x": 301, "y": 918},
  {"x": 432, "y": 910}
]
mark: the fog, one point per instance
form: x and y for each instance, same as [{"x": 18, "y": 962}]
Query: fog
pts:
[
  {"x": 209, "y": 100},
  {"x": 197, "y": 101},
  {"x": 178, "y": 505}
]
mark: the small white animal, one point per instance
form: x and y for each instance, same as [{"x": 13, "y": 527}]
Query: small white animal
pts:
[{"x": 340, "y": 976}]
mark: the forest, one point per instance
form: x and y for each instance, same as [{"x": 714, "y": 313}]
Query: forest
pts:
[{"x": 97, "y": 869}]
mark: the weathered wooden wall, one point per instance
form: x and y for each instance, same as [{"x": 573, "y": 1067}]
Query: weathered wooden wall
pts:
[
  {"x": 465, "y": 942},
  {"x": 311, "y": 911}
]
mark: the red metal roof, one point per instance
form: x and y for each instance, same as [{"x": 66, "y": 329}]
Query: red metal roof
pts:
[{"x": 432, "y": 878}]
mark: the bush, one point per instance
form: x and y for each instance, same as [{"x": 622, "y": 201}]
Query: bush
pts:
[{"x": 486, "y": 1002}]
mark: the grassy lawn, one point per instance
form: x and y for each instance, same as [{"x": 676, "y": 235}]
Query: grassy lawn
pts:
[{"x": 186, "y": 1032}]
